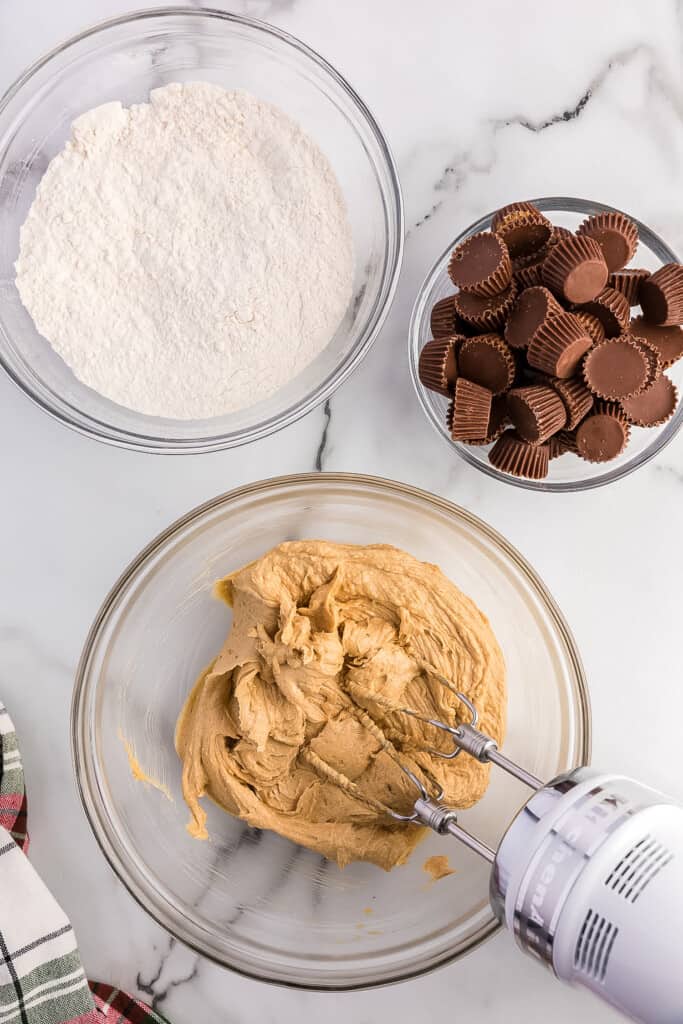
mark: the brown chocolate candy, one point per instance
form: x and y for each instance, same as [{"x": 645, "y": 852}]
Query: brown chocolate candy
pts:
[
  {"x": 481, "y": 264},
  {"x": 617, "y": 368},
  {"x": 471, "y": 410},
  {"x": 603, "y": 434},
  {"x": 611, "y": 308},
  {"x": 537, "y": 412},
  {"x": 496, "y": 425},
  {"x": 558, "y": 345},
  {"x": 555, "y": 448},
  {"x": 592, "y": 325},
  {"x": 485, "y": 312},
  {"x": 559, "y": 233},
  {"x": 513, "y": 455},
  {"x": 575, "y": 269},
  {"x": 668, "y": 341},
  {"x": 616, "y": 235},
  {"x": 654, "y": 406},
  {"x": 522, "y": 227},
  {"x": 628, "y": 282},
  {"x": 530, "y": 276},
  {"x": 578, "y": 400},
  {"x": 654, "y": 363},
  {"x": 661, "y": 296},
  {"x": 437, "y": 366},
  {"x": 486, "y": 360},
  {"x": 442, "y": 319},
  {"x": 532, "y": 308},
  {"x": 562, "y": 442}
]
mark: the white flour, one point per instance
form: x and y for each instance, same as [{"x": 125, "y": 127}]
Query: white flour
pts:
[{"x": 188, "y": 256}]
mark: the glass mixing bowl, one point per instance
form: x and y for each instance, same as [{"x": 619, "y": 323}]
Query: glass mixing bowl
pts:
[
  {"x": 251, "y": 900},
  {"x": 123, "y": 59},
  {"x": 568, "y": 473}
]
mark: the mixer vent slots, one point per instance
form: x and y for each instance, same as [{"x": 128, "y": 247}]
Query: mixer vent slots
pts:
[
  {"x": 638, "y": 867},
  {"x": 594, "y": 945}
]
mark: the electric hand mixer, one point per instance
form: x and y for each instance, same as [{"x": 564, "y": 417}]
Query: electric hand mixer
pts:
[{"x": 588, "y": 876}]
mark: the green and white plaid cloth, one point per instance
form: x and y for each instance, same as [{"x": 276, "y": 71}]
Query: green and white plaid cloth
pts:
[{"x": 41, "y": 975}]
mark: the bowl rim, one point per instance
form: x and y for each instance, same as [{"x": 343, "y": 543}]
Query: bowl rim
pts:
[
  {"x": 82, "y": 755},
  {"x": 90, "y": 425},
  {"x": 566, "y": 204}
]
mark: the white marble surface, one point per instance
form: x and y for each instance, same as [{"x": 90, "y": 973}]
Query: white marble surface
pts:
[{"x": 482, "y": 103}]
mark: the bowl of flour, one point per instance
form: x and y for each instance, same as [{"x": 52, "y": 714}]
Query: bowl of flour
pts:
[{"x": 200, "y": 231}]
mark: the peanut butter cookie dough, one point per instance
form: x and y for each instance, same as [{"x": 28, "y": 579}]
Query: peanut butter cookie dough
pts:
[{"x": 294, "y": 727}]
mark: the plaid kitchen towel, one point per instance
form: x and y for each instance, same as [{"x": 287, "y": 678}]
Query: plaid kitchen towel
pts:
[
  {"x": 12, "y": 792},
  {"x": 41, "y": 975},
  {"x": 116, "y": 1007}
]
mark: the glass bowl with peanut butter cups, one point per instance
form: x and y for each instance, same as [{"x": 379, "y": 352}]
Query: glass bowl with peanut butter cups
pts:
[{"x": 546, "y": 344}]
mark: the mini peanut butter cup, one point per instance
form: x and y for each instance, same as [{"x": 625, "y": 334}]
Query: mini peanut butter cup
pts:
[
  {"x": 575, "y": 269},
  {"x": 442, "y": 319},
  {"x": 437, "y": 366},
  {"x": 513, "y": 455},
  {"x": 487, "y": 313},
  {"x": 592, "y": 325},
  {"x": 522, "y": 227},
  {"x": 668, "y": 341},
  {"x": 654, "y": 363},
  {"x": 603, "y": 434},
  {"x": 561, "y": 443},
  {"x": 449, "y": 413},
  {"x": 628, "y": 282},
  {"x": 616, "y": 235},
  {"x": 661, "y": 296},
  {"x": 481, "y": 264},
  {"x": 555, "y": 449},
  {"x": 578, "y": 400},
  {"x": 617, "y": 368},
  {"x": 611, "y": 308},
  {"x": 532, "y": 308},
  {"x": 560, "y": 233},
  {"x": 537, "y": 412},
  {"x": 486, "y": 360},
  {"x": 558, "y": 345},
  {"x": 471, "y": 410},
  {"x": 530, "y": 276},
  {"x": 653, "y": 406},
  {"x": 498, "y": 420},
  {"x": 530, "y": 260}
]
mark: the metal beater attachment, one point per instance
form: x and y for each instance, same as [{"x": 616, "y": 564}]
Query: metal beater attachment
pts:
[{"x": 466, "y": 737}]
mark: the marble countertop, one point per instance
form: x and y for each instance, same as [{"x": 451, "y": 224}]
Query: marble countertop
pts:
[{"x": 482, "y": 103}]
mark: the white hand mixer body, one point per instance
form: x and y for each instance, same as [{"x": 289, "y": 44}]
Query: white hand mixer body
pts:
[{"x": 588, "y": 878}]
